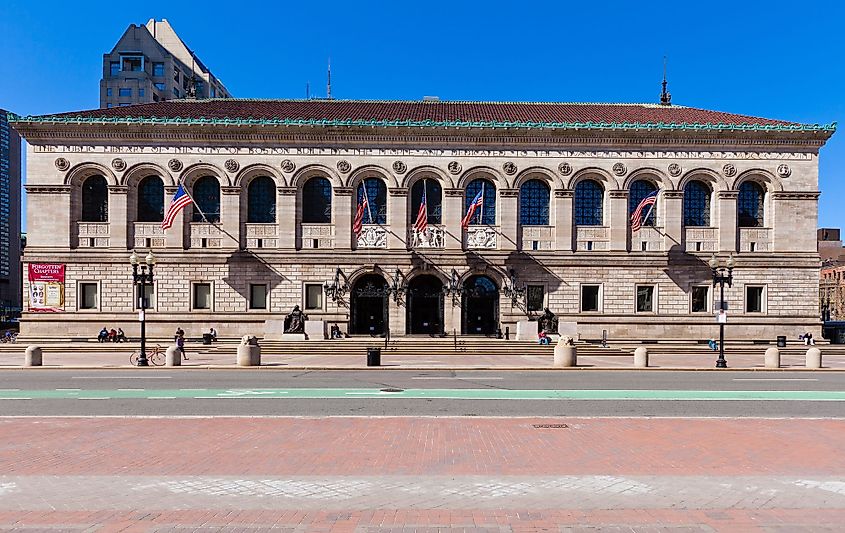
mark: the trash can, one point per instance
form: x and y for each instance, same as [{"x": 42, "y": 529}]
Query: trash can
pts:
[
  {"x": 781, "y": 341},
  {"x": 373, "y": 356},
  {"x": 206, "y": 338}
]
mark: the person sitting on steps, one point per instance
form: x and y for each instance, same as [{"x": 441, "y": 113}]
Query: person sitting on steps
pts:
[{"x": 103, "y": 336}]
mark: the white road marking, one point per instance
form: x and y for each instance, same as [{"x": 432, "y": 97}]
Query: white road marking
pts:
[
  {"x": 775, "y": 379},
  {"x": 9, "y": 390},
  {"x": 2, "y": 398}
]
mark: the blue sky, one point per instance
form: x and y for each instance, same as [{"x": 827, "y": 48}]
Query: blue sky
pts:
[{"x": 773, "y": 59}]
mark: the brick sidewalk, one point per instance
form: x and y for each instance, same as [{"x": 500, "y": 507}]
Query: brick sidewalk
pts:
[{"x": 421, "y": 474}]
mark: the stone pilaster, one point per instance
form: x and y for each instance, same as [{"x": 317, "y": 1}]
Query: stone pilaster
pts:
[
  {"x": 174, "y": 237},
  {"x": 397, "y": 220},
  {"x": 230, "y": 218},
  {"x": 508, "y": 211},
  {"x": 342, "y": 218},
  {"x": 285, "y": 217},
  {"x": 673, "y": 212},
  {"x": 726, "y": 209},
  {"x": 117, "y": 217},
  {"x": 562, "y": 210},
  {"x": 453, "y": 204},
  {"x": 618, "y": 220}
]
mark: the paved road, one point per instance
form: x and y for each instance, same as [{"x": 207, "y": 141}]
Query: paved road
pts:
[{"x": 44, "y": 392}]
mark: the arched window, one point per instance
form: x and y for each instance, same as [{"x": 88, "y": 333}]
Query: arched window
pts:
[
  {"x": 317, "y": 201},
  {"x": 151, "y": 200},
  {"x": 750, "y": 205},
  {"x": 696, "y": 204},
  {"x": 589, "y": 203},
  {"x": 486, "y": 213},
  {"x": 534, "y": 203},
  {"x": 95, "y": 200},
  {"x": 207, "y": 200},
  {"x": 261, "y": 201},
  {"x": 376, "y": 211},
  {"x": 433, "y": 200},
  {"x": 639, "y": 190}
]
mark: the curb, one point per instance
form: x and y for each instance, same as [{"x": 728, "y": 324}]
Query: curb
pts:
[{"x": 430, "y": 368}]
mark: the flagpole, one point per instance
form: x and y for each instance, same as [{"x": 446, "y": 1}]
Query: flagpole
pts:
[
  {"x": 367, "y": 200},
  {"x": 425, "y": 200},
  {"x": 193, "y": 202},
  {"x": 650, "y": 209},
  {"x": 481, "y": 212}
]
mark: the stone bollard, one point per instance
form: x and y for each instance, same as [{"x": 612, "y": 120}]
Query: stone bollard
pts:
[
  {"x": 32, "y": 356},
  {"x": 565, "y": 353},
  {"x": 641, "y": 357},
  {"x": 772, "y": 358},
  {"x": 173, "y": 356},
  {"x": 814, "y": 358},
  {"x": 249, "y": 352}
]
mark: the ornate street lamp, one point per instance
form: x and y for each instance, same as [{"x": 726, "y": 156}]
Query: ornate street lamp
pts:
[
  {"x": 336, "y": 289},
  {"x": 141, "y": 280},
  {"x": 511, "y": 290},
  {"x": 397, "y": 286},
  {"x": 720, "y": 278},
  {"x": 454, "y": 287}
]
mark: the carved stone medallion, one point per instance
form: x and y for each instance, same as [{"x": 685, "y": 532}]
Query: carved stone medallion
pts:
[
  {"x": 175, "y": 165},
  {"x": 344, "y": 166},
  {"x": 288, "y": 166},
  {"x": 399, "y": 167},
  {"x": 674, "y": 170},
  {"x": 619, "y": 169},
  {"x": 565, "y": 169},
  {"x": 509, "y": 167},
  {"x": 455, "y": 167},
  {"x": 231, "y": 165},
  {"x": 118, "y": 164},
  {"x": 784, "y": 171},
  {"x": 729, "y": 170},
  {"x": 62, "y": 164}
]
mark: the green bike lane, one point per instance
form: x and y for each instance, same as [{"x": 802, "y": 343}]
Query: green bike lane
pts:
[{"x": 449, "y": 394}]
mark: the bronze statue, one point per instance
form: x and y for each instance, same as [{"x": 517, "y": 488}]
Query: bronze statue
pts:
[
  {"x": 295, "y": 321},
  {"x": 547, "y": 321}
]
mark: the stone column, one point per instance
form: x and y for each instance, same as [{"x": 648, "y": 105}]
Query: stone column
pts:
[
  {"x": 673, "y": 212},
  {"x": 286, "y": 217},
  {"x": 118, "y": 198},
  {"x": 230, "y": 218},
  {"x": 508, "y": 207},
  {"x": 397, "y": 313},
  {"x": 397, "y": 220},
  {"x": 453, "y": 207},
  {"x": 175, "y": 236},
  {"x": 342, "y": 217},
  {"x": 618, "y": 221},
  {"x": 563, "y": 222},
  {"x": 727, "y": 220}
]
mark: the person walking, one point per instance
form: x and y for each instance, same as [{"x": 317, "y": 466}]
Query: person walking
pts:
[{"x": 180, "y": 345}]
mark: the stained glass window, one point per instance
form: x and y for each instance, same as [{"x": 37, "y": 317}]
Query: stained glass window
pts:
[
  {"x": 750, "y": 205},
  {"x": 639, "y": 190},
  {"x": 261, "y": 201},
  {"x": 95, "y": 200},
  {"x": 433, "y": 199},
  {"x": 151, "y": 199},
  {"x": 486, "y": 214},
  {"x": 589, "y": 204},
  {"x": 207, "y": 198},
  {"x": 376, "y": 213},
  {"x": 696, "y": 204},
  {"x": 317, "y": 201},
  {"x": 534, "y": 203}
]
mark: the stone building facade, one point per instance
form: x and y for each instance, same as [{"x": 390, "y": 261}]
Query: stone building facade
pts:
[{"x": 280, "y": 184}]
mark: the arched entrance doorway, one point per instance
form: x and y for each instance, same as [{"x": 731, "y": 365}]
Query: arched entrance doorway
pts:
[
  {"x": 369, "y": 305},
  {"x": 480, "y": 306},
  {"x": 425, "y": 306}
]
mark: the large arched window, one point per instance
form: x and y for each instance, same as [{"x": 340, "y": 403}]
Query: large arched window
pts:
[
  {"x": 696, "y": 204},
  {"x": 486, "y": 212},
  {"x": 534, "y": 203},
  {"x": 639, "y": 190},
  {"x": 750, "y": 205},
  {"x": 207, "y": 200},
  {"x": 317, "y": 201},
  {"x": 433, "y": 200},
  {"x": 588, "y": 207},
  {"x": 95, "y": 199},
  {"x": 261, "y": 201},
  {"x": 151, "y": 200},
  {"x": 375, "y": 212}
]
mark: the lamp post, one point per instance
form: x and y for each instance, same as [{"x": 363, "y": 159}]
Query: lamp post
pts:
[
  {"x": 335, "y": 289},
  {"x": 511, "y": 290},
  {"x": 396, "y": 288},
  {"x": 720, "y": 278},
  {"x": 142, "y": 280}
]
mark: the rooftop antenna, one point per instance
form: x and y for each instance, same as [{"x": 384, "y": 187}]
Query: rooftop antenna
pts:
[
  {"x": 192, "y": 88},
  {"x": 329, "y": 81},
  {"x": 665, "y": 96}
]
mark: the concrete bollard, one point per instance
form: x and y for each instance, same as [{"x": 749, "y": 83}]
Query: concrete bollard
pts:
[
  {"x": 32, "y": 356},
  {"x": 772, "y": 359},
  {"x": 249, "y": 352},
  {"x": 814, "y": 358},
  {"x": 641, "y": 357},
  {"x": 172, "y": 356},
  {"x": 565, "y": 354}
]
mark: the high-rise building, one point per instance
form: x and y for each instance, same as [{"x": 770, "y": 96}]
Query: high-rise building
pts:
[
  {"x": 150, "y": 63},
  {"x": 10, "y": 214}
]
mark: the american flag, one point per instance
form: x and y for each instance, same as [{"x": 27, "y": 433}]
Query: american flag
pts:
[
  {"x": 637, "y": 217},
  {"x": 477, "y": 202},
  {"x": 422, "y": 215},
  {"x": 358, "y": 224},
  {"x": 180, "y": 200}
]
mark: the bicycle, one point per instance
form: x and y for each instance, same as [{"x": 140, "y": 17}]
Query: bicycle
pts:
[{"x": 155, "y": 356}]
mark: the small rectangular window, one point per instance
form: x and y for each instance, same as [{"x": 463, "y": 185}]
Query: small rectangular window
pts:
[
  {"x": 535, "y": 296},
  {"x": 258, "y": 296},
  {"x": 158, "y": 69},
  {"x": 88, "y": 296},
  {"x": 144, "y": 298},
  {"x": 700, "y": 299},
  {"x": 176, "y": 92},
  {"x": 132, "y": 64},
  {"x": 313, "y": 296},
  {"x": 753, "y": 299},
  {"x": 212, "y": 92},
  {"x": 108, "y": 91},
  {"x": 159, "y": 86},
  {"x": 176, "y": 73},
  {"x": 202, "y": 296},
  {"x": 645, "y": 298},
  {"x": 124, "y": 91},
  {"x": 141, "y": 92},
  {"x": 114, "y": 68},
  {"x": 590, "y": 298}
]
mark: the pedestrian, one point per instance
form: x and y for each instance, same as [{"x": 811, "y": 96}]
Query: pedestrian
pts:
[
  {"x": 121, "y": 337},
  {"x": 113, "y": 335},
  {"x": 104, "y": 335},
  {"x": 179, "y": 332},
  {"x": 808, "y": 339},
  {"x": 713, "y": 344},
  {"x": 542, "y": 337},
  {"x": 180, "y": 345},
  {"x": 213, "y": 333}
]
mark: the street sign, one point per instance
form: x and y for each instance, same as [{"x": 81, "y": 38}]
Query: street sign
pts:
[{"x": 722, "y": 317}]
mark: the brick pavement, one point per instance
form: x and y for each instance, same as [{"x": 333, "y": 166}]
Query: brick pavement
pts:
[{"x": 421, "y": 474}]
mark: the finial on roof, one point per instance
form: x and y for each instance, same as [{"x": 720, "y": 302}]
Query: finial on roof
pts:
[
  {"x": 329, "y": 81},
  {"x": 665, "y": 96}
]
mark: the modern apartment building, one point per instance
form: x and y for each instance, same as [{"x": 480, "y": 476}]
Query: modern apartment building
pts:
[
  {"x": 150, "y": 63},
  {"x": 10, "y": 214}
]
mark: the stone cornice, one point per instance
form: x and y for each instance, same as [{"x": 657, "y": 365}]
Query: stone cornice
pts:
[
  {"x": 47, "y": 189},
  {"x": 453, "y": 192},
  {"x": 617, "y": 194},
  {"x": 796, "y": 195},
  {"x": 118, "y": 189},
  {"x": 508, "y": 193},
  {"x": 343, "y": 191},
  {"x": 397, "y": 192},
  {"x": 564, "y": 193},
  {"x": 286, "y": 191},
  {"x": 673, "y": 194},
  {"x": 727, "y": 195},
  {"x": 230, "y": 190}
]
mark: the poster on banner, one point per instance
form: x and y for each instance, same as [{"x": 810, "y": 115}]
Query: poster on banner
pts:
[{"x": 46, "y": 287}]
